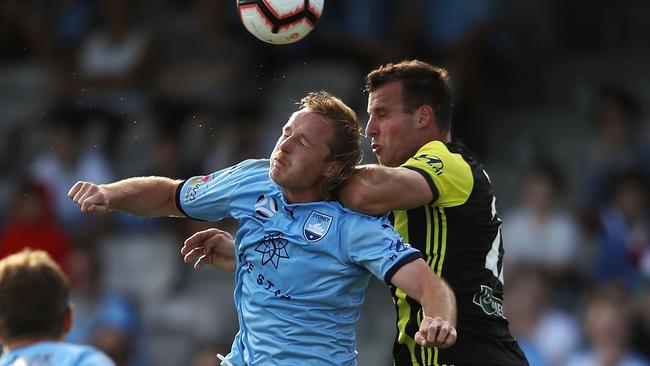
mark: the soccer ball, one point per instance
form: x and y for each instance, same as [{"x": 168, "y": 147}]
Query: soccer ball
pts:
[{"x": 280, "y": 21}]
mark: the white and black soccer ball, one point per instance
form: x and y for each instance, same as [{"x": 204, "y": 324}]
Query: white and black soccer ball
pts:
[{"x": 280, "y": 21}]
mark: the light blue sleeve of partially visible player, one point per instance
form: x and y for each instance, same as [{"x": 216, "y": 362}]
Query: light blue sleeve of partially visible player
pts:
[
  {"x": 208, "y": 197},
  {"x": 56, "y": 354},
  {"x": 373, "y": 244}
]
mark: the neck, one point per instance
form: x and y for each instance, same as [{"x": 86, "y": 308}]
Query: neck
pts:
[
  {"x": 444, "y": 137},
  {"x": 302, "y": 195},
  {"x": 425, "y": 138}
]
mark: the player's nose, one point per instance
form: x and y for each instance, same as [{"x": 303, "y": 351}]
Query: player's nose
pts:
[{"x": 371, "y": 128}]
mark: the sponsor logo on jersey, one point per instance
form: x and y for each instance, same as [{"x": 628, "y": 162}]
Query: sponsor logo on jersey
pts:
[
  {"x": 399, "y": 246},
  {"x": 265, "y": 207},
  {"x": 199, "y": 180},
  {"x": 196, "y": 183},
  {"x": 433, "y": 161},
  {"x": 316, "y": 226},
  {"x": 273, "y": 247},
  {"x": 490, "y": 304}
]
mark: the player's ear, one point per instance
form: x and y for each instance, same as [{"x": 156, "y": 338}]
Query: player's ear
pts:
[
  {"x": 333, "y": 168},
  {"x": 425, "y": 116},
  {"x": 67, "y": 319}
]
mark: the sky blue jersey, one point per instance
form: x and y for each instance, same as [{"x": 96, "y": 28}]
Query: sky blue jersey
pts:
[
  {"x": 55, "y": 354},
  {"x": 302, "y": 269}
]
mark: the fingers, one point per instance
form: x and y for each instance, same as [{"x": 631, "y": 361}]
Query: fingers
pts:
[
  {"x": 193, "y": 255},
  {"x": 89, "y": 198},
  {"x": 75, "y": 188},
  {"x": 209, "y": 239},
  {"x": 203, "y": 260},
  {"x": 195, "y": 241},
  {"x": 436, "y": 332}
]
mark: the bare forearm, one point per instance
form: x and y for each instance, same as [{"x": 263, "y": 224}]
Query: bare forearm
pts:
[
  {"x": 375, "y": 189},
  {"x": 436, "y": 297},
  {"x": 438, "y": 300},
  {"x": 143, "y": 196}
]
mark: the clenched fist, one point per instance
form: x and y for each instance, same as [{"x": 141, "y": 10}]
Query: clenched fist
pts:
[
  {"x": 435, "y": 332},
  {"x": 90, "y": 198}
]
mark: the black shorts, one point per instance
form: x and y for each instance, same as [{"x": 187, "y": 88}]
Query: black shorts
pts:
[{"x": 471, "y": 350}]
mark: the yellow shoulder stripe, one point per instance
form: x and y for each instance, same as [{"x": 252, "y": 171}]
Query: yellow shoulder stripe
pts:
[{"x": 449, "y": 172}]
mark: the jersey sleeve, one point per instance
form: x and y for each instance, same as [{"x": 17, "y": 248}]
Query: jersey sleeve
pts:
[
  {"x": 373, "y": 244},
  {"x": 208, "y": 197},
  {"x": 94, "y": 357},
  {"x": 448, "y": 174}
]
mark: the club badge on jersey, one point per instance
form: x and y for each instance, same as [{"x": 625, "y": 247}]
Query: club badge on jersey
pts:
[{"x": 316, "y": 226}]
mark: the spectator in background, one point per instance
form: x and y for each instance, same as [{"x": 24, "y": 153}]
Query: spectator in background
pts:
[
  {"x": 103, "y": 318},
  {"x": 24, "y": 32},
  {"x": 617, "y": 146},
  {"x": 35, "y": 313},
  {"x": 109, "y": 80},
  {"x": 71, "y": 20},
  {"x": 607, "y": 331},
  {"x": 117, "y": 59},
  {"x": 207, "y": 66},
  {"x": 641, "y": 323},
  {"x": 533, "y": 314},
  {"x": 623, "y": 243},
  {"x": 33, "y": 224},
  {"x": 541, "y": 231},
  {"x": 206, "y": 82},
  {"x": 64, "y": 161}
]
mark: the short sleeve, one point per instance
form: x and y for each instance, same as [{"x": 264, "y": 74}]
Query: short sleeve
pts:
[
  {"x": 208, "y": 197},
  {"x": 373, "y": 244},
  {"x": 449, "y": 175},
  {"x": 94, "y": 358}
]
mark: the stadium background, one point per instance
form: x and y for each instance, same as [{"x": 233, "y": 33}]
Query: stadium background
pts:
[{"x": 552, "y": 95}]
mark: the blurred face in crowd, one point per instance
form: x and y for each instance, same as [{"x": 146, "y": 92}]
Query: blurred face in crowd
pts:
[
  {"x": 393, "y": 129},
  {"x": 300, "y": 161},
  {"x": 606, "y": 325},
  {"x": 614, "y": 124},
  {"x": 630, "y": 197},
  {"x": 539, "y": 193}
]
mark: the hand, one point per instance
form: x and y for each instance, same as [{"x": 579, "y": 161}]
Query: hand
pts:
[
  {"x": 435, "y": 332},
  {"x": 211, "y": 246},
  {"x": 90, "y": 198}
]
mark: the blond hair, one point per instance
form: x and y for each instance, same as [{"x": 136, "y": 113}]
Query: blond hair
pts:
[{"x": 345, "y": 145}]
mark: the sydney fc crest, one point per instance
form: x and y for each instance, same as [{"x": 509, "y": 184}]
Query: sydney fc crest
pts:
[{"x": 316, "y": 226}]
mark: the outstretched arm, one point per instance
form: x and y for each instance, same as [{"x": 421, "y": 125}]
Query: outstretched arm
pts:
[
  {"x": 374, "y": 190},
  {"x": 141, "y": 196},
  {"x": 437, "y": 328}
]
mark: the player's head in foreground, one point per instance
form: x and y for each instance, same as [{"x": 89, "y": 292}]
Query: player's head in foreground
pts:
[
  {"x": 409, "y": 104},
  {"x": 34, "y": 304},
  {"x": 318, "y": 149}
]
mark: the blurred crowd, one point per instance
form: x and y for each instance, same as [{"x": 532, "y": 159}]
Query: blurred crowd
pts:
[{"x": 551, "y": 94}]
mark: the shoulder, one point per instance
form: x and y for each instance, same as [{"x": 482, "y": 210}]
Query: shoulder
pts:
[
  {"x": 84, "y": 355},
  {"x": 255, "y": 169},
  {"x": 358, "y": 223},
  {"x": 61, "y": 353},
  {"x": 447, "y": 170},
  {"x": 249, "y": 166},
  {"x": 92, "y": 356}
]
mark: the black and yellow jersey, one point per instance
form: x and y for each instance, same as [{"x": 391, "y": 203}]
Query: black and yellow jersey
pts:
[{"x": 460, "y": 237}]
